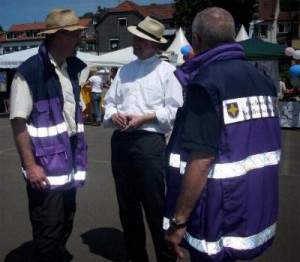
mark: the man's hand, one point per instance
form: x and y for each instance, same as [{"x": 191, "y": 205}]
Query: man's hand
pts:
[
  {"x": 119, "y": 120},
  {"x": 133, "y": 122},
  {"x": 173, "y": 239},
  {"x": 36, "y": 177}
]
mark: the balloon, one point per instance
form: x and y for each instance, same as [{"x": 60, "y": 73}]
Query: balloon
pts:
[
  {"x": 185, "y": 50},
  {"x": 289, "y": 51},
  {"x": 295, "y": 70},
  {"x": 296, "y": 55},
  {"x": 295, "y": 81},
  {"x": 192, "y": 53}
]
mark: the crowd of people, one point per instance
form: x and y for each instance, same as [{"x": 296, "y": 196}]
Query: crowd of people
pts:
[{"x": 212, "y": 189}]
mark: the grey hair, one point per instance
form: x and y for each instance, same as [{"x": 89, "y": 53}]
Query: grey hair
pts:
[{"x": 214, "y": 25}]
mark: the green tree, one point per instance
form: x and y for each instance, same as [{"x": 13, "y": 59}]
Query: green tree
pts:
[
  {"x": 1, "y": 28},
  {"x": 186, "y": 10},
  {"x": 289, "y": 5},
  {"x": 87, "y": 15},
  {"x": 241, "y": 10}
]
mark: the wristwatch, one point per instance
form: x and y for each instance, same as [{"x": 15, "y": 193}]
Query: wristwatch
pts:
[{"x": 174, "y": 224}]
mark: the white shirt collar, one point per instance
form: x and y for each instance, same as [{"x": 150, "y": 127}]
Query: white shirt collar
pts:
[
  {"x": 148, "y": 60},
  {"x": 64, "y": 65}
]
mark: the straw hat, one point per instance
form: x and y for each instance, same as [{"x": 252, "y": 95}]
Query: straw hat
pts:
[
  {"x": 58, "y": 19},
  {"x": 149, "y": 29}
]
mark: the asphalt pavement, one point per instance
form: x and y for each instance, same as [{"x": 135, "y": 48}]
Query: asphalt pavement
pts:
[{"x": 97, "y": 234}]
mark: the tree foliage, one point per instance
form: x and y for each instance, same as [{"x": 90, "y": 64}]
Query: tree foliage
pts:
[
  {"x": 1, "y": 28},
  {"x": 186, "y": 10},
  {"x": 87, "y": 15},
  {"x": 241, "y": 10},
  {"x": 289, "y": 5}
]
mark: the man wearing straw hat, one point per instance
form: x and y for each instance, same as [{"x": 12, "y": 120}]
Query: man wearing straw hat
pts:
[
  {"x": 48, "y": 130},
  {"x": 141, "y": 105}
]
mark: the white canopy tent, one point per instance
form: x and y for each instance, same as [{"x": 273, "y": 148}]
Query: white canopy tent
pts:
[
  {"x": 242, "y": 35},
  {"x": 174, "y": 49},
  {"x": 15, "y": 59},
  {"x": 115, "y": 58}
]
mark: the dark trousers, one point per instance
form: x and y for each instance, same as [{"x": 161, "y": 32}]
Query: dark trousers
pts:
[
  {"x": 138, "y": 170},
  {"x": 51, "y": 216}
]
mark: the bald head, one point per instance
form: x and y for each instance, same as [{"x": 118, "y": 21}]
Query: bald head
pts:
[{"x": 212, "y": 26}]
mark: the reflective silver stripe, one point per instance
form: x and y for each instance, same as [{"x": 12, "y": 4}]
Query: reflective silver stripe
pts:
[
  {"x": 240, "y": 168},
  {"x": 59, "y": 180},
  {"x": 238, "y": 243},
  {"x": 63, "y": 179},
  {"x": 47, "y": 131},
  {"x": 80, "y": 175},
  {"x": 235, "y": 169},
  {"x": 174, "y": 161},
  {"x": 246, "y": 108},
  {"x": 80, "y": 128}
]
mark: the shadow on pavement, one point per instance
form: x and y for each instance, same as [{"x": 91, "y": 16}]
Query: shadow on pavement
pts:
[
  {"x": 23, "y": 253},
  {"x": 106, "y": 242}
]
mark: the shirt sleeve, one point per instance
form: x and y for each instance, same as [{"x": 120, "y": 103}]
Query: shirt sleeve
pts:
[
  {"x": 20, "y": 98},
  {"x": 201, "y": 125},
  {"x": 109, "y": 102},
  {"x": 172, "y": 101}
]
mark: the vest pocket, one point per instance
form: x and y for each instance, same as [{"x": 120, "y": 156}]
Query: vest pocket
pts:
[{"x": 54, "y": 159}]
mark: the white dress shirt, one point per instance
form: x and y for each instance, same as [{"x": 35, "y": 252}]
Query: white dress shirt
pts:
[{"x": 143, "y": 87}]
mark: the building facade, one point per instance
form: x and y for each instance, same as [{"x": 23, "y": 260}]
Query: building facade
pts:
[
  {"x": 276, "y": 26},
  {"x": 23, "y": 36},
  {"x": 111, "y": 29}
]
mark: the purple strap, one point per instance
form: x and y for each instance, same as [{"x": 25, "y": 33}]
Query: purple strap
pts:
[{"x": 187, "y": 71}]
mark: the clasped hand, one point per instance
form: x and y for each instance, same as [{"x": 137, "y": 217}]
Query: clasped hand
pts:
[{"x": 127, "y": 123}]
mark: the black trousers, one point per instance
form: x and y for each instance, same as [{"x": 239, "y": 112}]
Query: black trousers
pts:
[
  {"x": 51, "y": 216},
  {"x": 138, "y": 170}
]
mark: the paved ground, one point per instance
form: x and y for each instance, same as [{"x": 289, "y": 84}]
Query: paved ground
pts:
[{"x": 97, "y": 234}]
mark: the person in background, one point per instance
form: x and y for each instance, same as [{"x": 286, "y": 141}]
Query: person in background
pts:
[
  {"x": 141, "y": 105},
  {"x": 111, "y": 77},
  {"x": 224, "y": 152},
  {"x": 47, "y": 125},
  {"x": 107, "y": 84},
  {"x": 96, "y": 83},
  {"x": 282, "y": 88}
]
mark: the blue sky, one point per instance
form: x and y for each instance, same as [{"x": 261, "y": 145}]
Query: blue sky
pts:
[{"x": 30, "y": 11}]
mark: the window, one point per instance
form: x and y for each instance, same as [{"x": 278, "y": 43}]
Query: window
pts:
[
  {"x": 281, "y": 28},
  {"x": 8, "y": 36},
  {"x": 264, "y": 31},
  {"x": 113, "y": 44},
  {"x": 35, "y": 33},
  {"x": 122, "y": 22},
  {"x": 28, "y": 33}
]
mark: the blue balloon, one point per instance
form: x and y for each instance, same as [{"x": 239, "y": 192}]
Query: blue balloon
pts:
[
  {"x": 185, "y": 50},
  {"x": 295, "y": 70}
]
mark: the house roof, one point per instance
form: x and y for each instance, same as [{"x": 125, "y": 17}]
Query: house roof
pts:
[
  {"x": 26, "y": 27},
  {"x": 267, "y": 9},
  {"x": 288, "y": 16},
  {"x": 164, "y": 11},
  {"x": 41, "y": 25}
]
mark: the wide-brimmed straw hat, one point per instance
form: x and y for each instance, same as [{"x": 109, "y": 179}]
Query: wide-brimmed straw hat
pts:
[
  {"x": 58, "y": 19},
  {"x": 149, "y": 29}
]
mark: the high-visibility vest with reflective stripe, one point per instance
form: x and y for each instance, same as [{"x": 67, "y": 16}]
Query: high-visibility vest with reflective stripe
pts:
[
  {"x": 236, "y": 215},
  {"x": 64, "y": 159}
]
